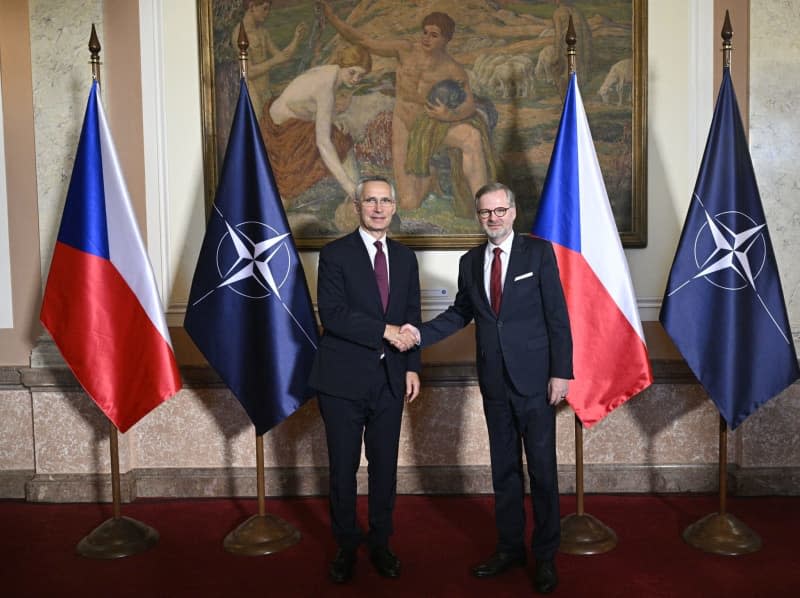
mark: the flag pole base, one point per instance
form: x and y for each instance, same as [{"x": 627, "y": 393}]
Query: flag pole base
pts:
[
  {"x": 116, "y": 538},
  {"x": 722, "y": 534},
  {"x": 261, "y": 534},
  {"x": 585, "y": 534}
]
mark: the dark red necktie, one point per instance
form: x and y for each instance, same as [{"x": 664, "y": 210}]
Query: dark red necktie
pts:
[
  {"x": 382, "y": 275},
  {"x": 495, "y": 285}
]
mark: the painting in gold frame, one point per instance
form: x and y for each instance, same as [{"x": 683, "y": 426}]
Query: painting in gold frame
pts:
[{"x": 505, "y": 56}]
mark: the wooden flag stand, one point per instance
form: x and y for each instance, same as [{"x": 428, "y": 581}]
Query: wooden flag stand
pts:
[
  {"x": 119, "y": 536},
  {"x": 582, "y": 533},
  {"x": 722, "y": 533},
  {"x": 261, "y": 533}
]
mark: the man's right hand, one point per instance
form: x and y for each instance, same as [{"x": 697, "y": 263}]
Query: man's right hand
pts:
[
  {"x": 413, "y": 331},
  {"x": 402, "y": 341}
]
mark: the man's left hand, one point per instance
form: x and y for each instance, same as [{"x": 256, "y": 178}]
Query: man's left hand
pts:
[
  {"x": 412, "y": 386},
  {"x": 557, "y": 390}
]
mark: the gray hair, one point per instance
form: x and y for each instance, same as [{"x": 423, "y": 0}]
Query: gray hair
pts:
[
  {"x": 495, "y": 186},
  {"x": 371, "y": 179}
]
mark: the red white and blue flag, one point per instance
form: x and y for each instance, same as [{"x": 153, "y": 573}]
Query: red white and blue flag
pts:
[
  {"x": 101, "y": 305},
  {"x": 610, "y": 355}
]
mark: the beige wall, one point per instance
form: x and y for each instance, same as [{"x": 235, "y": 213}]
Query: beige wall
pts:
[{"x": 21, "y": 185}]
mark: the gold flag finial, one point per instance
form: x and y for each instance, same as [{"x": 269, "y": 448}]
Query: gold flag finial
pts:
[
  {"x": 94, "y": 54},
  {"x": 572, "y": 41},
  {"x": 243, "y": 43},
  {"x": 727, "y": 45}
]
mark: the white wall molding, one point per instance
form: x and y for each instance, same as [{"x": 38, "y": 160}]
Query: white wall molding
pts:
[
  {"x": 701, "y": 81},
  {"x": 6, "y": 302},
  {"x": 151, "y": 39}
]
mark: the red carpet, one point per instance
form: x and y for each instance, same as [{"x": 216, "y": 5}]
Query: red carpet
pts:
[{"x": 437, "y": 539}]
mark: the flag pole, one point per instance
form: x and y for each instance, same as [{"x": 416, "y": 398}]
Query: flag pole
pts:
[
  {"x": 722, "y": 533},
  {"x": 582, "y": 533},
  {"x": 261, "y": 533},
  {"x": 118, "y": 536}
]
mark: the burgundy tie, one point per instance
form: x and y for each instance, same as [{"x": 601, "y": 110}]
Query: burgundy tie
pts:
[
  {"x": 382, "y": 275},
  {"x": 495, "y": 286}
]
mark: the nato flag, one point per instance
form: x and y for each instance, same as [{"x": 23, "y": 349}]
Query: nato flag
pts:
[
  {"x": 724, "y": 306},
  {"x": 249, "y": 310}
]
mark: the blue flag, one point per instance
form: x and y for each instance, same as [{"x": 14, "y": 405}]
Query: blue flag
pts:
[
  {"x": 724, "y": 306},
  {"x": 249, "y": 309}
]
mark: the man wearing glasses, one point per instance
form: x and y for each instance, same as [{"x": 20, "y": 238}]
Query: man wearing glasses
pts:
[
  {"x": 367, "y": 286},
  {"x": 511, "y": 288}
]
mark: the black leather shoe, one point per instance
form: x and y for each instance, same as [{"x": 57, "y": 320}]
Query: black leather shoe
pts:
[
  {"x": 546, "y": 578},
  {"x": 497, "y": 563},
  {"x": 341, "y": 569},
  {"x": 385, "y": 561}
]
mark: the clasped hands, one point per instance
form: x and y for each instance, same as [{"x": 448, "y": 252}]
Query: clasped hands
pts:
[{"x": 403, "y": 337}]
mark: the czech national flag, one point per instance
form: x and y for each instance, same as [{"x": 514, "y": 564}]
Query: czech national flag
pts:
[
  {"x": 610, "y": 356},
  {"x": 101, "y": 305}
]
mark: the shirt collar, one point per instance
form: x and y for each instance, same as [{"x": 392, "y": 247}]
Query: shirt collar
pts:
[
  {"x": 505, "y": 245},
  {"x": 369, "y": 240}
]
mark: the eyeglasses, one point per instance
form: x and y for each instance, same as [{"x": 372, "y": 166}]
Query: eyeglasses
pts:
[
  {"x": 374, "y": 201},
  {"x": 499, "y": 212}
]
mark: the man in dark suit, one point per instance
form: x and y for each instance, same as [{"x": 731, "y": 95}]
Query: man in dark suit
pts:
[
  {"x": 511, "y": 288},
  {"x": 362, "y": 378}
]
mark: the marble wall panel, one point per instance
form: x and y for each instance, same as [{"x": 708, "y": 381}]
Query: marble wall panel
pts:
[
  {"x": 663, "y": 425},
  {"x": 16, "y": 430},
  {"x": 445, "y": 426},
  {"x": 61, "y": 80},
  {"x": 72, "y": 435},
  {"x": 209, "y": 428},
  {"x": 771, "y": 436},
  {"x": 775, "y": 133}
]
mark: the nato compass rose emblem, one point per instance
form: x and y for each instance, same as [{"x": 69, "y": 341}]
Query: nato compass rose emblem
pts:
[
  {"x": 253, "y": 260},
  {"x": 730, "y": 252}
]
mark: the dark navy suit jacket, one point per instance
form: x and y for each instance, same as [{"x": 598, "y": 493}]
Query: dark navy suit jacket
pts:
[
  {"x": 353, "y": 320},
  {"x": 531, "y": 335}
]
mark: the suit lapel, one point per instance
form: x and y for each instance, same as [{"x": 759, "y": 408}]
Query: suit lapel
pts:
[
  {"x": 517, "y": 264},
  {"x": 478, "y": 265}
]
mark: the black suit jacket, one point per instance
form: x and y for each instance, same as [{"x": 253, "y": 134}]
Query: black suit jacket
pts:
[
  {"x": 353, "y": 320},
  {"x": 531, "y": 335}
]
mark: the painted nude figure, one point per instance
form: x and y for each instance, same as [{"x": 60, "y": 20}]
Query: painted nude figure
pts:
[{"x": 422, "y": 125}]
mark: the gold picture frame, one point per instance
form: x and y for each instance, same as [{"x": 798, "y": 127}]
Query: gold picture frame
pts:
[{"x": 519, "y": 101}]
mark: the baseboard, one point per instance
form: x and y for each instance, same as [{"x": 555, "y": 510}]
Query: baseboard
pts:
[
  {"x": 313, "y": 481},
  {"x": 12, "y": 483}
]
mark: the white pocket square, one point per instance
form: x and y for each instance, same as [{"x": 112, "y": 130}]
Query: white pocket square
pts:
[{"x": 523, "y": 276}]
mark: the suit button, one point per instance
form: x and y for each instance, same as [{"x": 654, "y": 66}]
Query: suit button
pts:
[{"x": 499, "y": 323}]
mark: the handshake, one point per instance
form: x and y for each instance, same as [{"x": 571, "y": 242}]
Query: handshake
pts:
[{"x": 403, "y": 337}]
